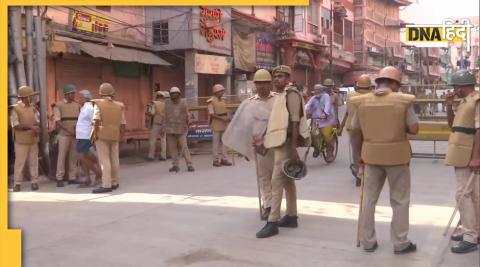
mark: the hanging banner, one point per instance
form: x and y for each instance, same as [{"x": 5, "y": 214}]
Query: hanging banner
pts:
[
  {"x": 209, "y": 64},
  {"x": 265, "y": 51}
]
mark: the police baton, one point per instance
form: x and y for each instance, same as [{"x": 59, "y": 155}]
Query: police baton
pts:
[{"x": 362, "y": 168}]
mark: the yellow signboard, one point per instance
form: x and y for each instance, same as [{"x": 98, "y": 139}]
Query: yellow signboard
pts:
[{"x": 85, "y": 22}]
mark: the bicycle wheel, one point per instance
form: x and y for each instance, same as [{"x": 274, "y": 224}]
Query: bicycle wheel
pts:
[{"x": 335, "y": 151}]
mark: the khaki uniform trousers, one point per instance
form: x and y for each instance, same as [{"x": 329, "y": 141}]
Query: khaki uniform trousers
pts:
[
  {"x": 468, "y": 204},
  {"x": 157, "y": 129},
  {"x": 399, "y": 183},
  {"x": 24, "y": 153},
  {"x": 66, "y": 148},
  {"x": 219, "y": 150},
  {"x": 264, "y": 176},
  {"x": 177, "y": 143},
  {"x": 281, "y": 182},
  {"x": 109, "y": 161}
]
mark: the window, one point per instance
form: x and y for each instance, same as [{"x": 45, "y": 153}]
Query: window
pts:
[
  {"x": 160, "y": 32},
  {"x": 104, "y": 8},
  {"x": 347, "y": 29},
  {"x": 326, "y": 18},
  {"x": 299, "y": 19},
  {"x": 285, "y": 15},
  {"x": 313, "y": 17}
]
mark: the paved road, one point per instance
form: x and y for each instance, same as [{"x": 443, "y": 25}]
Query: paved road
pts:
[{"x": 210, "y": 217}]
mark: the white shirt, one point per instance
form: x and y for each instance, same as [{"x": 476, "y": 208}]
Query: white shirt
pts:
[{"x": 84, "y": 123}]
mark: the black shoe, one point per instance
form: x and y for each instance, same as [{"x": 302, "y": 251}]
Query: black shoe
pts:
[
  {"x": 101, "y": 190},
  {"x": 411, "y": 248},
  {"x": 457, "y": 238},
  {"x": 270, "y": 229},
  {"x": 59, "y": 183},
  {"x": 149, "y": 159},
  {"x": 464, "y": 247},
  {"x": 34, "y": 186},
  {"x": 358, "y": 182},
  {"x": 174, "y": 169},
  {"x": 288, "y": 221},
  {"x": 162, "y": 159},
  {"x": 225, "y": 162},
  {"x": 266, "y": 213},
  {"x": 17, "y": 188},
  {"x": 74, "y": 182},
  {"x": 115, "y": 187},
  {"x": 316, "y": 152},
  {"x": 190, "y": 169},
  {"x": 372, "y": 249}
]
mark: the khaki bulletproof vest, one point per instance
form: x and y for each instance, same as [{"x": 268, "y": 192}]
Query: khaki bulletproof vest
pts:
[
  {"x": 278, "y": 123},
  {"x": 26, "y": 116},
  {"x": 461, "y": 140},
  {"x": 382, "y": 120},
  {"x": 352, "y": 106},
  {"x": 68, "y": 115},
  {"x": 219, "y": 109},
  {"x": 176, "y": 121},
  {"x": 159, "y": 112},
  {"x": 111, "y": 119}
]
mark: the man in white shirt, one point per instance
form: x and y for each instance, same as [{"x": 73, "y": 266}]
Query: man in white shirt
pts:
[{"x": 83, "y": 130}]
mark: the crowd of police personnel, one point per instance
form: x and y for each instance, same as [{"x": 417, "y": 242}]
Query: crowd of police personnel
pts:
[{"x": 378, "y": 120}]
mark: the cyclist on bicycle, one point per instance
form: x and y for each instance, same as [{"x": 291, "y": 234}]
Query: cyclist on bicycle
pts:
[{"x": 320, "y": 109}]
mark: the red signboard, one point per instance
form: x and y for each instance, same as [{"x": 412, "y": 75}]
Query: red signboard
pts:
[{"x": 210, "y": 24}]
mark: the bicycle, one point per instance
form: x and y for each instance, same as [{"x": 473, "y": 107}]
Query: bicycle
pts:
[{"x": 323, "y": 144}]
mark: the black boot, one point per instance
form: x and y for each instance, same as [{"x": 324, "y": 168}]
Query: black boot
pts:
[
  {"x": 411, "y": 248},
  {"x": 358, "y": 182},
  {"x": 174, "y": 169},
  {"x": 288, "y": 221},
  {"x": 316, "y": 152},
  {"x": 59, "y": 183},
  {"x": 74, "y": 181},
  {"x": 266, "y": 213},
  {"x": 457, "y": 238},
  {"x": 101, "y": 190},
  {"x": 34, "y": 186},
  {"x": 190, "y": 168},
  {"x": 270, "y": 229},
  {"x": 17, "y": 188},
  {"x": 115, "y": 186},
  {"x": 464, "y": 247}
]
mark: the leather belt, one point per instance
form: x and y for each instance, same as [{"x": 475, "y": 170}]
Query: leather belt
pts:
[
  {"x": 464, "y": 130},
  {"x": 69, "y": 119}
]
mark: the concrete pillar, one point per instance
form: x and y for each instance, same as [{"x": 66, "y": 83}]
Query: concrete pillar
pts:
[
  {"x": 227, "y": 82},
  {"x": 191, "y": 78}
]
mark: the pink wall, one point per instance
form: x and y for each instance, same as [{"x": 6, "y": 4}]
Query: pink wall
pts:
[{"x": 118, "y": 27}]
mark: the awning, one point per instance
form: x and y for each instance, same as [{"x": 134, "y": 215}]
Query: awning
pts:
[
  {"x": 62, "y": 44},
  {"x": 122, "y": 54}
]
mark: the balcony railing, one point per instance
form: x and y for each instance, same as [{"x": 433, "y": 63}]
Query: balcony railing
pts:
[{"x": 313, "y": 29}]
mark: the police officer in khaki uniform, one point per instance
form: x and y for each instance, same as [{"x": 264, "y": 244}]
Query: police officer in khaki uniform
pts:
[
  {"x": 157, "y": 111},
  {"x": 219, "y": 119},
  {"x": 362, "y": 86},
  {"x": 109, "y": 127},
  {"x": 65, "y": 114},
  {"x": 464, "y": 155},
  {"x": 264, "y": 157},
  {"x": 176, "y": 128},
  {"x": 287, "y": 129},
  {"x": 380, "y": 126},
  {"x": 24, "y": 119}
]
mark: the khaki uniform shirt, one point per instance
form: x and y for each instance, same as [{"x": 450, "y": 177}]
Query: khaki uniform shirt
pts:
[
  {"x": 410, "y": 119},
  {"x": 96, "y": 113},
  {"x": 14, "y": 121},
  {"x": 477, "y": 115}
]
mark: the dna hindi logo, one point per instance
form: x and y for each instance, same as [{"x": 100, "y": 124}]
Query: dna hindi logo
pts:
[{"x": 440, "y": 35}]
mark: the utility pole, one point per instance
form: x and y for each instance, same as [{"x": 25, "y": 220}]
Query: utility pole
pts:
[
  {"x": 41, "y": 54},
  {"x": 331, "y": 40}
]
